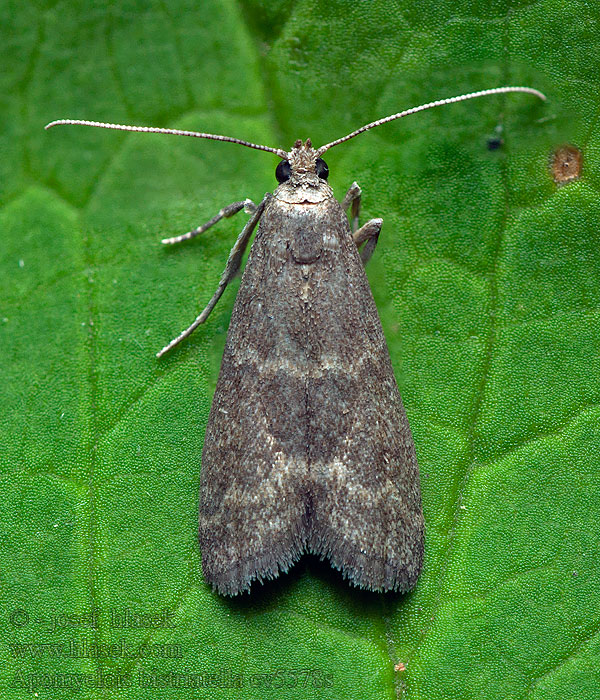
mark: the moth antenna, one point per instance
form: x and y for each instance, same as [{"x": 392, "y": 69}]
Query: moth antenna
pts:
[
  {"x": 421, "y": 108},
  {"x": 173, "y": 132}
]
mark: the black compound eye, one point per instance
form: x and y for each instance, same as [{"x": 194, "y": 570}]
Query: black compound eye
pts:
[
  {"x": 321, "y": 169},
  {"x": 283, "y": 171}
]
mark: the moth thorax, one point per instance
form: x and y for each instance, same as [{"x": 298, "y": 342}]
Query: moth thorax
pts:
[{"x": 302, "y": 157}]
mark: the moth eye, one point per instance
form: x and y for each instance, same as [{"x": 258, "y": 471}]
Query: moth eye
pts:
[
  {"x": 321, "y": 169},
  {"x": 283, "y": 171}
]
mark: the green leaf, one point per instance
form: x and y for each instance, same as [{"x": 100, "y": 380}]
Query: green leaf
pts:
[{"x": 487, "y": 277}]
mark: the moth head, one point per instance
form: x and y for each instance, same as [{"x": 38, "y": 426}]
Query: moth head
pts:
[{"x": 302, "y": 165}]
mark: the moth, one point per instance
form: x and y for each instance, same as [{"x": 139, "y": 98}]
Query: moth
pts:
[{"x": 307, "y": 447}]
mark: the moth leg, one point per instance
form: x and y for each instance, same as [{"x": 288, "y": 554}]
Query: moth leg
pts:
[
  {"x": 369, "y": 235},
  {"x": 352, "y": 197},
  {"x": 247, "y": 205},
  {"x": 231, "y": 269}
]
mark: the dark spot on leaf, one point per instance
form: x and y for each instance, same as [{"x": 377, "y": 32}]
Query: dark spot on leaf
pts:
[{"x": 494, "y": 143}]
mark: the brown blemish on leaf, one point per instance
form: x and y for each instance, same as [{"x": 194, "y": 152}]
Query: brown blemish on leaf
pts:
[{"x": 566, "y": 163}]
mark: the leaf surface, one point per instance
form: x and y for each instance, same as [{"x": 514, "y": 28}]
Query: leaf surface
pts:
[{"x": 487, "y": 277}]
